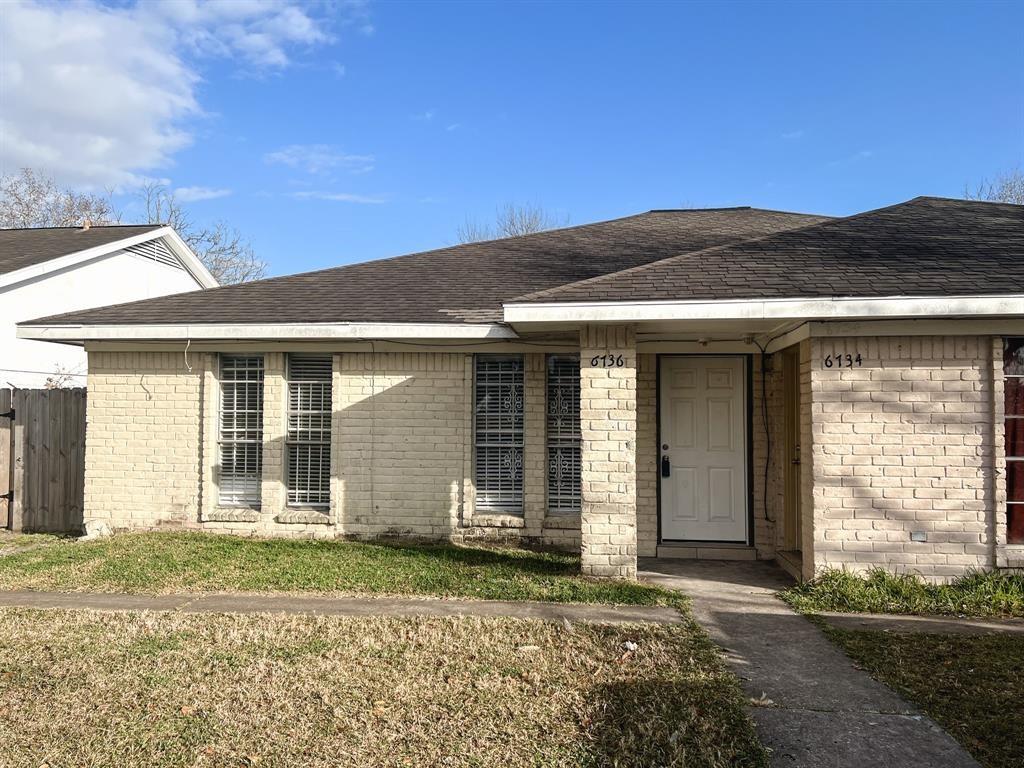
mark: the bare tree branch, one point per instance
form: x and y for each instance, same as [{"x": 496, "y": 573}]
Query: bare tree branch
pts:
[
  {"x": 30, "y": 199},
  {"x": 1006, "y": 188},
  {"x": 228, "y": 256},
  {"x": 510, "y": 220}
]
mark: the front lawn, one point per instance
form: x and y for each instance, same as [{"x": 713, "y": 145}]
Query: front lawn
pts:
[
  {"x": 12, "y": 542},
  {"x": 162, "y": 563},
  {"x": 144, "y": 689},
  {"x": 981, "y": 593},
  {"x": 970, "y": 684}
]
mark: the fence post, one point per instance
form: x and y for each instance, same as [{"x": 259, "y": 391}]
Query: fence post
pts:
[
  {"x": 6, "y": 482},
  {"x": 17, "y": 515}
]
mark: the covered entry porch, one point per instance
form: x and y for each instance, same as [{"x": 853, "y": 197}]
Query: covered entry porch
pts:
[{"x": 690, "y": 446}]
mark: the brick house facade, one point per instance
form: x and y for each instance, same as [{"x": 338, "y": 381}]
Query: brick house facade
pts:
[{"x": 629, "y": 412}]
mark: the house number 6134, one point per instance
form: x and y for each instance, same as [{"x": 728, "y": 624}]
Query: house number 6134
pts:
[
  {"x": 607, "y": 361},
  {"x": 843, "y": 361}
]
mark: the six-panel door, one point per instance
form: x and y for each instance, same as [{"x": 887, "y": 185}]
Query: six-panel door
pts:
[{"x": 703, "y": 451}]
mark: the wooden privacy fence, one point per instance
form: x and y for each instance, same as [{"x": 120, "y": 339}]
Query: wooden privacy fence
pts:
[{"x": 42, "y": 459}]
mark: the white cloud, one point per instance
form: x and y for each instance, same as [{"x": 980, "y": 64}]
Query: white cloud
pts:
[
  {"x": 453, "y": 127},
  {"x": 425, "y": 117},
  {"x": 99, "y": 95},
  {"x": 338, "y": 197},
  {"x": 319, "y": 158},
  {"x": 793, "y": 135},
  {"x": 195, "y": 194}
]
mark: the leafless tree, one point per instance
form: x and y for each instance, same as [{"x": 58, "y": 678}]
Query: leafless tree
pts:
[
  {"x": 1006, "y": 188},
  {"x": 510, "y": 220},
  {"x": 228, "y": 255},
  {"x": 31, "y": 199}
]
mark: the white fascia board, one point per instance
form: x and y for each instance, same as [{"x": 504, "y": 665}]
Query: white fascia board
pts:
[
  {"x": 295, "y": 331},
  {"x": 765, "y": 309},
  {"x": 77, "y": 257},
  {"x": 188, "y": 257}
]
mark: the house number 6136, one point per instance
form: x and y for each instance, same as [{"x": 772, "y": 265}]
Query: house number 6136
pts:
[{"x": 607, "y": 361}]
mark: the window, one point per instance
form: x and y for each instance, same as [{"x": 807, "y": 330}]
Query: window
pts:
[
  {"x": 241, "y": 430},
  {"x": 309, "y": 431},
  {"x": 498, "y": 433},
  {"x": 1013, "y": 370},
  {"x": 563, "y": 435}
]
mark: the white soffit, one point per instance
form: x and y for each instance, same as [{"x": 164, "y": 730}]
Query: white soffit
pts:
[
  {"x": 295, "y": 331},
  {"x": 763, "y": 309}
]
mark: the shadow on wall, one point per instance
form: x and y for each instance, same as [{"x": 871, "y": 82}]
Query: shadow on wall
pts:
[
  {"x": 896, "y": 464},
  {"x": 399, "y": 459}
]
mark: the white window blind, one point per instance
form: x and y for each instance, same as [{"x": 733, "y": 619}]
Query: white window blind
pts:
[
  {"x": 309, "y": 431},
  {"x": 563, "y": 435},
  {"x": 241, "y": 430},
  {"x": 498, "y": 433}
]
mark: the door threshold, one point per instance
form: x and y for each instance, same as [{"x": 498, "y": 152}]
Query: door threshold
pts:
[{"x": 704, "y": 550}]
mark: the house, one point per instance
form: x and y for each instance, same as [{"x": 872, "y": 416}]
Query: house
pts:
[
  {"x": 718, "y": 383},
  {"x": 61, "y": 269}
]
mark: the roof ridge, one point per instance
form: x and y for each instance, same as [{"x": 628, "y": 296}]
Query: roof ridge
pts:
[
  {"x": 965, "y": 200},
  {"x": 79, "y": 228},
  {"x": 738, "y": 208}
]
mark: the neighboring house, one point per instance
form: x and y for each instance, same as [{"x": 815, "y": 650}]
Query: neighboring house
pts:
[
  {"x": 731, "y": 383},
  {"x": 61, "y": 269}
]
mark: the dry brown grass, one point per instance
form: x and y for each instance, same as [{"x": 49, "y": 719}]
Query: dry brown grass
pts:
[{"x": 83, "y": 688}]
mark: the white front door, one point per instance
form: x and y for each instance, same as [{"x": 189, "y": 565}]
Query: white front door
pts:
[{"x": 703, "y": 451}]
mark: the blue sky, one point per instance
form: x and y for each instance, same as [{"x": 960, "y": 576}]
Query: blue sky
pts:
[{"x": 366, "y": 130}]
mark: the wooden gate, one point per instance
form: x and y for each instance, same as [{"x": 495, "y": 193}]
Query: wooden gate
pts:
[{"x": 42, "y": 459}]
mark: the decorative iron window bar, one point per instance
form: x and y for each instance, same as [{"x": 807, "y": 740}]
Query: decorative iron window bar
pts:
[
  {"x": 498, "y": 433},
  {"x": 563, "y": 435},
  {"x": 308, "y": 440},
  {"x": 241, "y": 430}
]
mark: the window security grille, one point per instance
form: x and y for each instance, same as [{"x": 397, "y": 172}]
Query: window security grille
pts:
[
  {"x": 241, "y": 430},
  {"x": 308, "y": 475},
  {"x": 498, "y": 433},
  {"x": 563, "y": 435}
]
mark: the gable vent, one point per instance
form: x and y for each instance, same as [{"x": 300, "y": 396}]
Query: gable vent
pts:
[{"x": 156, "y": 250}]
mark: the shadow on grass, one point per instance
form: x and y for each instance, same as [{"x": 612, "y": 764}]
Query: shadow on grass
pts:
[{"x": 672, "y": 721}]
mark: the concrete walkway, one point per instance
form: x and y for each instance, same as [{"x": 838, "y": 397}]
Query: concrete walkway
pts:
[
  {"x": 340, "y": 606},
  {"x": 818, "y": 711},
  {"x": 945, "y": 625}
]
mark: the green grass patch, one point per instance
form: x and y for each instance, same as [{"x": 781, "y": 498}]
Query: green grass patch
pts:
[
  {"x": 969, "y": 684},
  {"x": 979, "y": 593},
  {"x": 163, "y": 563},
  {"x": 170, "y": 690},
  {"x": 12, "y": 542}
]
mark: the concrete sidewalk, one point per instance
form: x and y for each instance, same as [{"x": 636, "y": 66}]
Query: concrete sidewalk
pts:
[
  {"x": 818, "y": 710},
  {"x": 340, "y": 606}
]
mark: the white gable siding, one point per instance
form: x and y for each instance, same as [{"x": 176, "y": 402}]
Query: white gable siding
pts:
[{"x": 113, "y": 279}]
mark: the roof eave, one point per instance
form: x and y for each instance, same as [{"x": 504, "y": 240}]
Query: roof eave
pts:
[
  {"x": 836, "y": 307},
  {"x": 80, "y": 333}
]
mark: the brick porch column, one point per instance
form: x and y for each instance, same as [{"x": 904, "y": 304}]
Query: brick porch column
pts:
[{"x": 608, "y": 451}]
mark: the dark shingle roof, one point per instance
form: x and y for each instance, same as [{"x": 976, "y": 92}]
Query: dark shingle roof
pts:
[
  {"x": 463, "y": 283},
  {"x": 20, "y": 248},
  {"x": 925, "y": 247}
]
